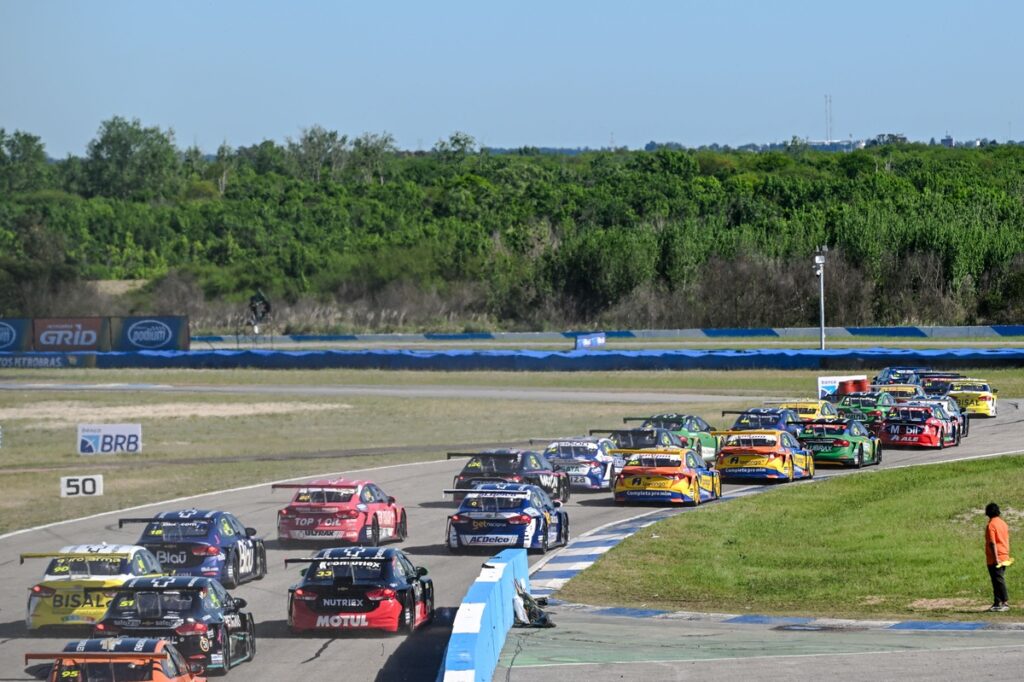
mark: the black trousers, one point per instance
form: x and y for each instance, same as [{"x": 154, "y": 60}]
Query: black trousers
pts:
[{"x": 998, "y": 576}]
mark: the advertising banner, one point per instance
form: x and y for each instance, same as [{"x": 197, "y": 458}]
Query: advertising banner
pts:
[
  {"x": 71, "y": 334},
  {"x": 149, "y": 333},
  {"x": 15, "y": 334},
  {"x": 590, "y": 341},
  {"x": 105, "y": 439},
  {"x": 828, "y": 385}
]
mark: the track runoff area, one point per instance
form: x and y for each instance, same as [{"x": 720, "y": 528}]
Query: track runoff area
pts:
[{"x": 672, "y": 648}]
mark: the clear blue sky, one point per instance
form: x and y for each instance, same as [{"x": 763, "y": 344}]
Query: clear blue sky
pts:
[{"x": 556, "y": 73}]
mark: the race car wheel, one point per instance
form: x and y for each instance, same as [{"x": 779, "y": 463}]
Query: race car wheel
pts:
[
  {"x": 718, "y": 487},
  {"x": 231, "y": 572},
  {"x": 407, "y": 618},
  {"x": 565, "y": 491},
  {"x": 810, "y": 467},
  {"x": 250, "y": 638},
  {"x": 261, "y": 564},
  {"x": 942, "y": 441},
  {"x": 225, "y": 648},
  {"x": 967, "y": 425},
  {"x": 565, "y": 529},
  {"x": 858, "y": 461},
  {"x": 544, "y": 540},
  {"x": 374, "y": 533},
  {"x": 956, "y": 437},
  {"x": 791, "y": 471},
  {"x": 696, "y": 491},
  {"x": 878, "y": 452},
  {"x": 403, "y": 528}
]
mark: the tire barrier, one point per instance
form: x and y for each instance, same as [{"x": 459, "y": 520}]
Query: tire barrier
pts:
[
  {"x": 484, "y": 618},
  {"x": 526, "y": 360}
]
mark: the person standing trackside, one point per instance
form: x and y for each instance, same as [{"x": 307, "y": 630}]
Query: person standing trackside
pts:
[{"x": 997, "y": 556}]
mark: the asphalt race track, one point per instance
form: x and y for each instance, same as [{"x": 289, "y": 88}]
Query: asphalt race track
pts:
[{"x": 356, "y": 656}]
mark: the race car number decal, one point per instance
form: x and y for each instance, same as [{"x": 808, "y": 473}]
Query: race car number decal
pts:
[{"x": 245, "y": 557}]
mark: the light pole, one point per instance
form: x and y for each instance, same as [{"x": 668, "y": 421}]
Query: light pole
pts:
[{"x": 819, "y": 270}]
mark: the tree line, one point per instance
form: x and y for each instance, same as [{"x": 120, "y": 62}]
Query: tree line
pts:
[{"x": 460, "y": 237}]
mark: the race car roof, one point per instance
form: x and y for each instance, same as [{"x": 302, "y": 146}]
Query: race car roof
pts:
[
  {"x": 321, "y": 483},
  {"x": 491, "y": 453},
  {"x": 355, "y": 553},
  {"x": 133, "y": 645},
  {"x": 178, "y": 582},
  {"x": 771, "y": 411}
]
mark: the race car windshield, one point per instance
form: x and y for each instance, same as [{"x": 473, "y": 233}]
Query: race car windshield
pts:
[
  {"x": 825, "y": 429},
  {"x": 325, "y": 495},
  {"x": 152, "y": 604},
  {"x": 488, "y": 503},
  {"x": 860, "y": 402},
  {"x": 753, "y": 420},
  {"x": 664, "y": 423},
  {"x": 178, "y": 530},
  {"x": 654, "y": 461},
  {"x": 347, "y": 570},
  {"x": 635, "y": 440},
  {"x": 763, "y": 441},
  {"x": 106, "y": 672},
  {"x": 571, "y": 451},
  {"x": 805, "y": 409},
  {"x": 88, "y": 566},
  {"x": 492, "y": 464}
]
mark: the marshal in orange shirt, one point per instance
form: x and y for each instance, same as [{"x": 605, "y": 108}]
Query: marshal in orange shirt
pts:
[{"x": 997, "y": 533}]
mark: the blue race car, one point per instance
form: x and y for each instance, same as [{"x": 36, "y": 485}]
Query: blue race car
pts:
[
  {"x": 767, "y": 418},
  {"x": 203, "y": 543},
  {"x": 587, "y": 460},
  {"x": 507, "y": 515}
]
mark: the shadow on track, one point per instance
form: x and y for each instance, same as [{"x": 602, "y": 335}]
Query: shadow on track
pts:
[{"x": 420, "y": 655}]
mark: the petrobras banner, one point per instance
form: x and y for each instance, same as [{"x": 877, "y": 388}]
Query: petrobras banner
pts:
[
  {"x": 828, "y": 385},
  {"x": 71, "y": 334},
  {"x": 106, "y": 439},
  {"x": 149, "y": 333}
]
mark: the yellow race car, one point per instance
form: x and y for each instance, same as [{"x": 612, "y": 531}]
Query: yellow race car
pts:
[
  {"x": 769, "y": 455},
  {"x": 901, "y": 392},
  {"x": 809, "y": 409},
  {"x": 73, "y": 591},
  {"x": 667, "y": 476},
  {"x": 974, "y": 396}
]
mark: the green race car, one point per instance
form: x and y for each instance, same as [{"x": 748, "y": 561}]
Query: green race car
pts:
[
  {"x": 870, "y": 409},
  {"x": 843, "y": 441},
  {"x": 691, "y": 429}
]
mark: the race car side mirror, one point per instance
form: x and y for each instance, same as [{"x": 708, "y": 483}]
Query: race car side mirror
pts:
[
  {"x": 421, "y": 571},
  {"x": 391, "y": 499},
  {"x": 250, "y": 532},
  {"x": 557, "y": 503},
  {"x": 239, "y": 603}
]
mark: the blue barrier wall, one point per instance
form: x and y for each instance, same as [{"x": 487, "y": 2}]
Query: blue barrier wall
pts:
[
  {"x": 525, "y": 360},
  {"x": 484, "y": 618}
]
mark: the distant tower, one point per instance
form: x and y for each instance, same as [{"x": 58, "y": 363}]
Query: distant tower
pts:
[{"x": 828, "y": 119}]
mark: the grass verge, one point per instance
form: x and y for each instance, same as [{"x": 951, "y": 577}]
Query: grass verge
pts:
[{"x": 903, "y": 543}]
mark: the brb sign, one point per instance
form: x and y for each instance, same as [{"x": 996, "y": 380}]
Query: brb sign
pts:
[{"x": 105, "y": 439}]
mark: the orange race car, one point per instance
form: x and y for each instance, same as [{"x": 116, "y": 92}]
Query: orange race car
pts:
[{"x": 114, "y": 660}]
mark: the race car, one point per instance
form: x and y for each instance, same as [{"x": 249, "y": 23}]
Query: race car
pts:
[
  {"x": 808, "y": 409},
  {"x": 764, "y": 455},
  {"x": 898, "y": 375},
  {"x": 843, "y": 441},
  {"x": 975, "y": 396},
  {"x": 868, "y": 407},
  {"x": 920, "y": 424},
  {"x": 936, "y": 383},
  {"x": 114, "y": 659},
  {"x": 588, "y": 461},
  {"x": 340, "y": 510},
  {"x": 952, "y": 408},
  {"x": 507, "y": 515},
  {"x": 360, "y": 588},
  {"x": 510, "y": 466},
  {"x": 80, "y": 580},
  {"x": 902, "y": 391},
  {"x": 629, "y": 441},
  {"x": 678, "y": 478},
  {"x": 693, "y": 432},
  {"x": 766, "y": 418},
  {"x": 204, "y": 622},
  {"x": 206, "y": 543}
]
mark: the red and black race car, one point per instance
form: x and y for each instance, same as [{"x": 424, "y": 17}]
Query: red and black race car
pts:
[
  {"x": 360, "y": 588},
  {"x": 510, "y": 466},
  {"x": 919, "y": 424},
  {"x": 340, "y": 510}
]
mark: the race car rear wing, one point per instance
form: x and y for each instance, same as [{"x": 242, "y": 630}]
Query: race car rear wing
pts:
[
  {"x": 647, "y": 451},
  {"x": 121, "y": 523},
  {"x": 73, "y": 555},
  {"x": 613, "y": 430},
  {"x": 453, "y": 455},
  {"x": 100, "y": 656},
  {"x": 476, "y": 492},
  {"x": 313, "y": 486}
]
